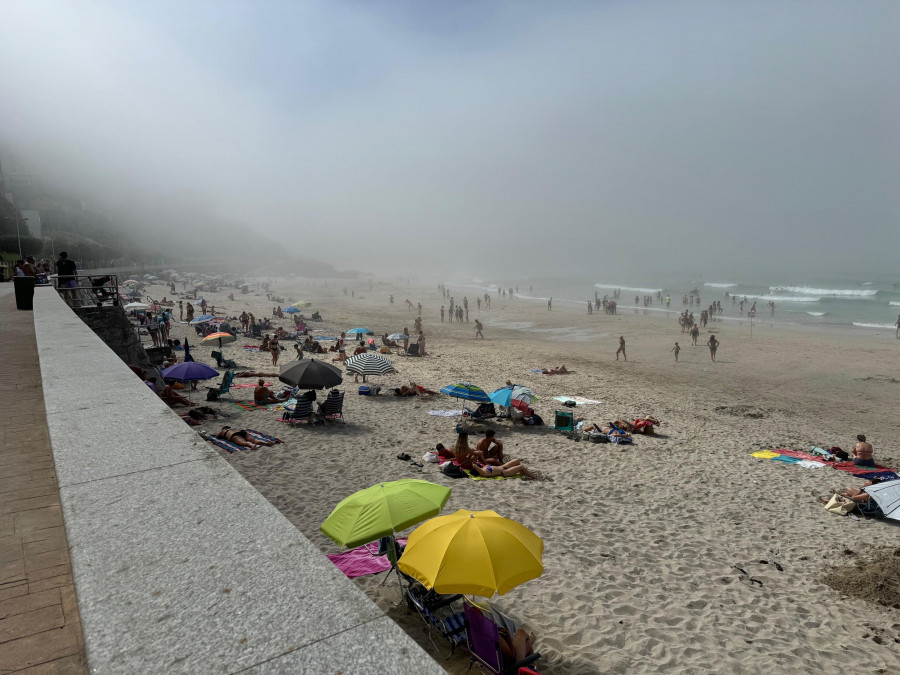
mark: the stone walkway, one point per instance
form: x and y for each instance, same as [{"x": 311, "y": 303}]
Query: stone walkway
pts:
[{"x": 40, "y": 631}]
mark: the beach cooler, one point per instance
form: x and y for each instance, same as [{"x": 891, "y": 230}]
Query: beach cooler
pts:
[{"x": 365, "y": 390}]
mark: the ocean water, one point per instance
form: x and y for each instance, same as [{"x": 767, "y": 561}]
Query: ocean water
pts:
[{"x": 865, "y": 305}]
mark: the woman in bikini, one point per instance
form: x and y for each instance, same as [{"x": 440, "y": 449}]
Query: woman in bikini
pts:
[
  {"x": 240, "y": 437},
  {"x": 465, "y": 457},
  {"x": 275, "y": 348}
]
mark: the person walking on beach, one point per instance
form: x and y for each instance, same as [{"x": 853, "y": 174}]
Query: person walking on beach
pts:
[
  {"x": 713, "y": 346},
  {"x": 180, "y": 310},
  {"x": 898, "y": 326},
  {"x": 621, "y": 348},
  {"x": 550, "y": 305},
  {"x": 478, "y": 329},
  {"x": 695, "y": 333},
  {"x": 442, "y": 314},
  {"x": 676, "y": 349}
]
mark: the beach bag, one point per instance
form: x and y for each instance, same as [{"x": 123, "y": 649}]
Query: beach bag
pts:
[
  {"x": 431, "y": 457},
  {"x": 365, "y": 390},
  {"x": 212, "y": 395},
  {"x": 840, "y": 505},
  {"x": 595, "y": 436},
  {"x": 452, "y": 470}
]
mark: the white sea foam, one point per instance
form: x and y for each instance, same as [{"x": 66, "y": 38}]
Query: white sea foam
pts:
[
  {"x": 816, "y": 313},
  {"x": 720, "y": 285},
  {"x": 783, "y": 298},
  {"x": 894, "y": 304},
  {"x": 630, "y": 288},
  {"x": 874, "y": 325},
  {"x": 806, "y": 290}
]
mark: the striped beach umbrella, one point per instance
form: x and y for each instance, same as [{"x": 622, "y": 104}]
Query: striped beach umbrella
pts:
[
  {"x": 466, "y": 391},
  {"x": 222, "y": 338},
  {"x": 369, "y": 363}
]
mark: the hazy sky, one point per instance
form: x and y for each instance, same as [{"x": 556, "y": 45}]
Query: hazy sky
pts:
[{"x": 483, "y": 137}]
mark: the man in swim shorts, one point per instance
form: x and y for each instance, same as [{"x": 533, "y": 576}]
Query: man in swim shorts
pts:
[{"x": 489, "y": 450}]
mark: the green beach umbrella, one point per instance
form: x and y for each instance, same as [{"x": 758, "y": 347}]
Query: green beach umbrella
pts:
[{"x": 383, "y": 509}]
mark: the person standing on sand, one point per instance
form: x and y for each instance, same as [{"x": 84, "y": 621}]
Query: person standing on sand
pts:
[
  {"x": 676, "y": 349},
  {"x": 862, "y": 452},
  {"x": 695, "y": 333},
  {"x": 621, "y": 348},
  {"x": 478, "y": 329},
  {"x": 180, "y": 310},
  {"x": 713, "y": 346},
  {"x": 550, "y": 305},
  {"x": 898, "y": 326},
  {"x": 442, "y": 314}
]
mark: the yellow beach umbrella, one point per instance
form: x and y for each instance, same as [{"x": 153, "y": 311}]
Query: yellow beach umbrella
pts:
[{"x": 472, "y": 552}]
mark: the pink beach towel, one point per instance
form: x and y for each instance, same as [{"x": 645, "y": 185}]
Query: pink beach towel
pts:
[{"x": 359, "y": 562}]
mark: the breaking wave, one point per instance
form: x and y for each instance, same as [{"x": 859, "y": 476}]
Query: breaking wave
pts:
[
  {"x": 630, "y": 288},
  {"x": 720, "y": 285},
  {"x": 806, "y": 290},
  {"x": 873, "y": 325}
]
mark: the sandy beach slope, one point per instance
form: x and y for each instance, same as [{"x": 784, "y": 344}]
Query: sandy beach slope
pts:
[{"x": 661, "y": 556}]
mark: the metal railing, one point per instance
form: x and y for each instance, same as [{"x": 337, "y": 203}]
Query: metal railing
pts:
[{"x": 90, "y": 291}]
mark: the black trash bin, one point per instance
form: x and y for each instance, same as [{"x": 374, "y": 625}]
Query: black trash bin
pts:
[{"x": 24, "y": 292}]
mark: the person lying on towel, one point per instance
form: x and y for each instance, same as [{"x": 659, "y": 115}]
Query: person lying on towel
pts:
[
  {"x": 467, "y": 458},
  {"x": 241, "y": 437}
]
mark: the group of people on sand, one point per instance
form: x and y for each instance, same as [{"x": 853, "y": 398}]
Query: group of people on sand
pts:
[{"x": 485, "y": 459}]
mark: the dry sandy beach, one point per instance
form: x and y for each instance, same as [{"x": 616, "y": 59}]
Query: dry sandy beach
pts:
[{"x": 659, "y": 557}]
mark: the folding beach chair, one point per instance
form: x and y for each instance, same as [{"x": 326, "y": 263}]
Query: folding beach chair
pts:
[
  {"x": 483, "y": 642},
  {"x": 437, "y": 612},
  {"x": 332, "y": 407},
  {"x": 564, "y": 421},
  {"x": 301, "y": 413},
  {"x": 223, "y": 388}
]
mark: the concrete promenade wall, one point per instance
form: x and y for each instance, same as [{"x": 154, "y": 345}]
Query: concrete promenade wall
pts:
[{"x": 180, "y": 565}]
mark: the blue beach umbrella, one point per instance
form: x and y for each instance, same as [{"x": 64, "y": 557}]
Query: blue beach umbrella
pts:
[
  {"x": 360, "y": 331},
  {"x": 398, "y": 336},
  {"x": 203, "y": 319},
  {"x": 466, "y": 391},
  {"x": 514, "y": 395},
  {"x": 291, "y": 310}
]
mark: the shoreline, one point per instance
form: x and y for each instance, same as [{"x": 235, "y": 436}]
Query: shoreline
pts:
[{"x": 642, "y": 542}]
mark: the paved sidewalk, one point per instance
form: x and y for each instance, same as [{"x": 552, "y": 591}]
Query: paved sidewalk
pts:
[{"x": 40, "y": 631}]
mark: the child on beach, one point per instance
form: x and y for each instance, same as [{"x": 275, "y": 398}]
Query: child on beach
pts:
[{"x": 676, "y": 349}]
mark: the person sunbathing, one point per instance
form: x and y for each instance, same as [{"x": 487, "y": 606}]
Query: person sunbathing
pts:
[
  {"x": 262, "y": 395},
  {"x": 413, "y": 389},
  {"x": 559, "y": 370},
  {"x": 489, "y": 450},
  {"x": 240, "y": 437},
  {"x": 611, "y": 430},
  {"x": 859, "y": 494},
  {"x": 645, "y": 425},
  {"x": 468, "y": 459}
]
